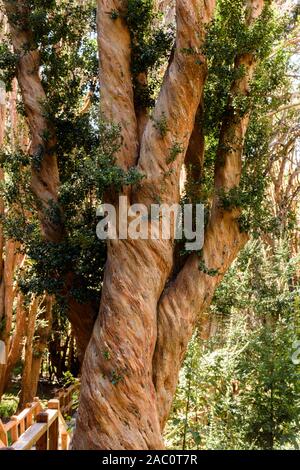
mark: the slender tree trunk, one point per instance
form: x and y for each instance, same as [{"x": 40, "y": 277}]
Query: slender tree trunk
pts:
[
  {"x": 9, "y": 258},
  {"x": 26, "y": 376},
  {"x": 15, "y": 344},
  {"x": 45, "y": 177},
  {"x": 8, "y": 293},
  {"x": 39, "y": 327}
]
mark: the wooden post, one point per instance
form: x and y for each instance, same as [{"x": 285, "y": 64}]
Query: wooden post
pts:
[
  {"x": 14, "y": 433},
  {"x": 3, "y": 435},
  {"x": 63, "y": 432},
  {"x": 22, "y": 426},
  {"x": 42, "y": 443},
  {"x": 64, "y": 440},
  {"x": 29, "y": 415},
  {"x": 53, "y": 430},
  {"x": 38, "y": 408}
]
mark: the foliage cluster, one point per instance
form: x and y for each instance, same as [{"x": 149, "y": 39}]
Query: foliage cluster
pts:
[
  {"x": 151, "y": 43},
  {"x": 228, "y": 37},
  {"x": 64, "y": 33},
  {"x": 241, "y": 388}
]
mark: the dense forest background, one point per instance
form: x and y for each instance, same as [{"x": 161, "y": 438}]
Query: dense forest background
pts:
[{"x": 239, "y": 387}]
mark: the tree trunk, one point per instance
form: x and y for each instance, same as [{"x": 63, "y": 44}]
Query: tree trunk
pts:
[
  {"x": 82, "y": 318},
  {"x": 26, "y": 376},
  {"x": 148, "y": 309},
  {"x": 9, "y": 259},
  {"x": 8, "y": 291},
  {"x": 15, "y": 345},
  {"x": 44, "y": 170},
  {"x": 36, "y": 343},
  {"x": 147, "y": 314},
  {"x": 118, "y": 407}
]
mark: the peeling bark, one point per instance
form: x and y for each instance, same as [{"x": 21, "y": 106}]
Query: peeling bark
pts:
[
  {"x": 192, "y": 291},
  {"x": 118, "y": 408}
]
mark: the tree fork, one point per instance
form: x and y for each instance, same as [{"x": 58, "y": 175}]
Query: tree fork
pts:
[
  {"x": 190, "y": 294},
  {"x": 118, "y": 406}
]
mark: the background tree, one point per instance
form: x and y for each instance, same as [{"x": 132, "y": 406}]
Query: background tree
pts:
[{"x": 240, "y": 388}]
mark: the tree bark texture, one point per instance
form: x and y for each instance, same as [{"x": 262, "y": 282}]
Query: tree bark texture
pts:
[
  {"x": 146, "y": 316},
  {"x": 147, "y": 313}
]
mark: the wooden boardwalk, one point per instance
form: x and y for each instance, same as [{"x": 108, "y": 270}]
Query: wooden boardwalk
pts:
[{"x": 36, "y": 428}]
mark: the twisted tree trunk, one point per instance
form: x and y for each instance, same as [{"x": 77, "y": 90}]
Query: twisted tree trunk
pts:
[
  {"x": 147, "y": 315},
  {"x": 148, "y": 310}
]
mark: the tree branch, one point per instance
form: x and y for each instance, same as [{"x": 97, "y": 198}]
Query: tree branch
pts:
[
  {"x": 117, "y": 104},
  {"x": 173, "y": 118},
  {"x": 188, "y": 296},
  {"x": 284, "y": 108}
]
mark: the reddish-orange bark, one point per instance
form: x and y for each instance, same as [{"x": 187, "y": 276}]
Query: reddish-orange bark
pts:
[
  {"x": 146, "y": 316},
  {"x": 146, "y": 320}
]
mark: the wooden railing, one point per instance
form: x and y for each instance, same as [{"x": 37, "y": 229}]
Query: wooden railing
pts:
[
  {"x": 66, "y": 398},
  {"x": 36, "y": 429},
  {"x": 11, "y": 431}
]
